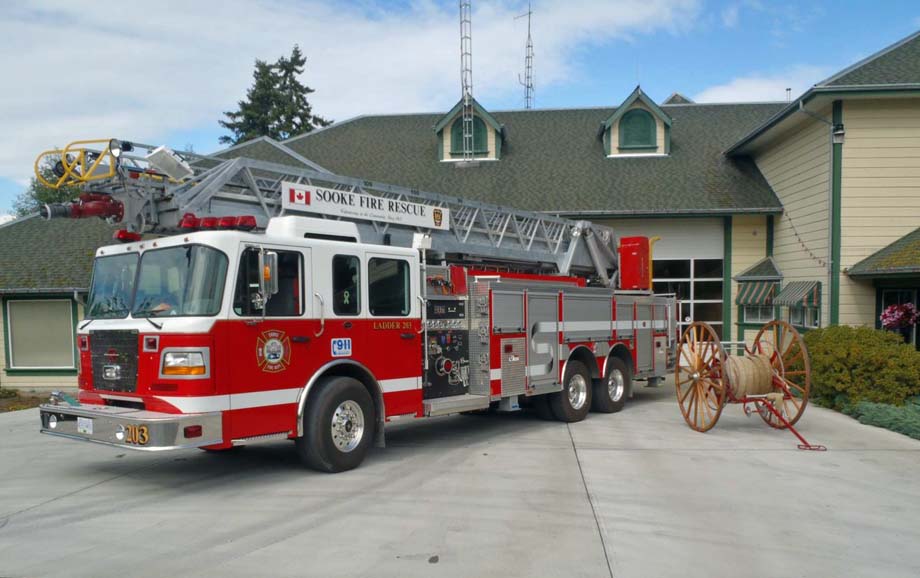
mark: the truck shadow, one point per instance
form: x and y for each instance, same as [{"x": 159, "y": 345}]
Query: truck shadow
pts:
[{"x": 279, "y": 458}]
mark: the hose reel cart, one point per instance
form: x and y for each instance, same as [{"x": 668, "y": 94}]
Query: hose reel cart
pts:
[{"x": 772, "y": 378}]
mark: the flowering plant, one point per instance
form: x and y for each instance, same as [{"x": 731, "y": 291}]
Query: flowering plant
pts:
[{"x": 900, "y": 316}]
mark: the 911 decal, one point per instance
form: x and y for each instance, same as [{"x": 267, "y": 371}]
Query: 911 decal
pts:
[{"x": 341, "y": 347}]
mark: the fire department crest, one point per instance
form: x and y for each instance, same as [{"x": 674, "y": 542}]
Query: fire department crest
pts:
[
  {"x": 438, "y": 217},
  {"x": 273, "y": 351}
]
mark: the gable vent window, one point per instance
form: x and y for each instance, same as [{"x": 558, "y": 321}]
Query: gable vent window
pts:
[
  {"x": 637, "y": 130},
  {"x": 480, "y": 137}
]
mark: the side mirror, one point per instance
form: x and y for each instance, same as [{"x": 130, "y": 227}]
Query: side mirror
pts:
[{"x": 268, "y": 280}]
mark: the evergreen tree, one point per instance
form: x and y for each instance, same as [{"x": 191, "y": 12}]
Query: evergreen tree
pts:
[
  {"x": 254, "y": 117},
  {"x": 294, "y": 114},
  {"x": 276, "y": 105},
  {"x": 38, "y": 194}
]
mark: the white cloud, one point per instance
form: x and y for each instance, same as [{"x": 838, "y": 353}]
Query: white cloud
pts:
[
  {"x": 765, "y": 87},
  {"x": 102, "y": 69},
  {"x": 6, "y": 219},
  {"x": 730, "y": 15}
]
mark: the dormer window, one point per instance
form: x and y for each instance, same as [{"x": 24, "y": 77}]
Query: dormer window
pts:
[
  {"x": 488, "y": 135},
  {"x": 637, "y": 128},
  {"x": 638, "y": 131},
  {"x": 480, "y": 137}
]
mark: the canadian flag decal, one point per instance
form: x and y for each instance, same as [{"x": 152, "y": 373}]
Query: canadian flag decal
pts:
[{"x": 299, "y": 197}]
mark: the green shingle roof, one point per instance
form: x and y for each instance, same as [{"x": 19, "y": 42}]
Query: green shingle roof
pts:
[
  {"x": 896, "y": 64},
  {"x": 553, "y": 160},
  {"x": 899, "y": 258},
  {"x": 678, "y": 98},
  {"x": 764, "y": 270},
  {"x": 266, "y": 149},
  {"x": 49, "y": 256}
]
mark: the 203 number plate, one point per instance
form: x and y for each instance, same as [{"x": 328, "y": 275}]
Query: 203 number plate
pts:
[{"x": 137, "y": 435}]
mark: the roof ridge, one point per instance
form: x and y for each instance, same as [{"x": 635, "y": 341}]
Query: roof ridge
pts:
[
  {"x": 868, "y": 59},
  {"x": 18, "y": 220}
]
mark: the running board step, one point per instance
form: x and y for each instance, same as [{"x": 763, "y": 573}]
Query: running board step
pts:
[{"x": 455, "y": 404}]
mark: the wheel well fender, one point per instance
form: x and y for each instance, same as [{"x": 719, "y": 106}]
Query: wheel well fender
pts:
[
  {"x": 356, "y": 371},
  {"x": 585, "y": 356},
  {"x": 622, "y": 352}
]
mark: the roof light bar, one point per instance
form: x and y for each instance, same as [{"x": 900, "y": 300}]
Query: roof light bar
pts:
[{"x": 126, "y": 236}]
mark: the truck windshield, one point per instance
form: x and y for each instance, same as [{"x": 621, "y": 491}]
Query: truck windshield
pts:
[
  {"x": 113, "y": 286},
  {"x": 176, "y": 281}
]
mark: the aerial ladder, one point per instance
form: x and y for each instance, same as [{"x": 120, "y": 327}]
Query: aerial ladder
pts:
[{"x": 148, "y": 189}]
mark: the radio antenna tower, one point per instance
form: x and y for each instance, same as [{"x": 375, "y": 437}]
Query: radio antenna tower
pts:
[
  {"x": 528, "y": 62},
  {"x": 466, "y": 77}
]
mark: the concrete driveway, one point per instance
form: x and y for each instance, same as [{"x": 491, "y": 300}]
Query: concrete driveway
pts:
[{"x": 630, "y": 494}]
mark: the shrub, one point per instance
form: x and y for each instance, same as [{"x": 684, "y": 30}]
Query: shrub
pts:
[
  {"x": 904, "y": 419},
  {"x": 7, "y": 393},
  {"x": 850, "y": 365}
]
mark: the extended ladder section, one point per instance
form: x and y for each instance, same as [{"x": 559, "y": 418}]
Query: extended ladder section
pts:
[{"x": 154, "y": 193}]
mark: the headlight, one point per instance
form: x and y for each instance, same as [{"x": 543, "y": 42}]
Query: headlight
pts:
[{"x": 184, "y": 363}]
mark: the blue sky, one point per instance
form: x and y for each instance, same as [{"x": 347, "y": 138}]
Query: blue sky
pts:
[{"x": 169, "y": 79}]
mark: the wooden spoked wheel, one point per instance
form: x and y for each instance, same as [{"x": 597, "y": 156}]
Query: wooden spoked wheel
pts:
[
  {"x": 791, "y": 369},
  {"x": 699, "y": 378}
]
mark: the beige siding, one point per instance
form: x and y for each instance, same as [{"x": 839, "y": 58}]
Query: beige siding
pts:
[
  {"x": 797, "y": 167},
  {"x": 445, "y": 142},
  {"x": 34, "y": 381},
  {"x": 660, "y": 133},
  {"x": 880, "y": 193},
  {"x": 749, "y": 245}
]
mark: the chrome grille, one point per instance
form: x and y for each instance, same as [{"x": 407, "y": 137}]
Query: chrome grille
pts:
[{"x": 114, "y": 355}]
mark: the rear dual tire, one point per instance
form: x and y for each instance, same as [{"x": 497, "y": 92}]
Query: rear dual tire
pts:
[
  {"x": 610, "y": 393},
  {"x": 574, "y": 401}
]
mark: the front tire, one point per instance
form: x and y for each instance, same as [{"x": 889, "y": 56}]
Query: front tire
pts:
[
  {"x": 573, "y": 402},
  {"x": 338, "y": 426},
  {"x": 610, "y": 393}
]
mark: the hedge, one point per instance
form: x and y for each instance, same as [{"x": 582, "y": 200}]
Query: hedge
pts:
[
  {"x": 903, "y": 419},
  {"x": 850, "y": 365}
]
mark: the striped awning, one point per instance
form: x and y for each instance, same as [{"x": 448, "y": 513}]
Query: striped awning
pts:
[
  {"x": 800, "y": 294},
  {"x": 756, "y": 293}
]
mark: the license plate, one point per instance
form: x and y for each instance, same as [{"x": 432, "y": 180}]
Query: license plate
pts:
[{"x": 85, "y": 425}]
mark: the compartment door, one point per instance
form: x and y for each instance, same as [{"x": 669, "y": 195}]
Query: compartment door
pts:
[{"x": 543, "y": 337}]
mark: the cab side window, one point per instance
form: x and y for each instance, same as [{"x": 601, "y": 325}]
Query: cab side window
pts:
[
  {"x": 287, "y": 302},
  {"x": 388, "y": 287},
  {"x": 346, "y": 279}
]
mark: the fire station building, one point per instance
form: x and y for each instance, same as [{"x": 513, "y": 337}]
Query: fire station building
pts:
[{"x": 806, "y": 210}]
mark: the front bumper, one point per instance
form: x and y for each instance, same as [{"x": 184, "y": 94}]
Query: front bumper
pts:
[{"x": 131, "y": 428}]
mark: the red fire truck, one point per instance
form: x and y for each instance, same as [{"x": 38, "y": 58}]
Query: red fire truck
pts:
[{"x": 268, "y": 301}]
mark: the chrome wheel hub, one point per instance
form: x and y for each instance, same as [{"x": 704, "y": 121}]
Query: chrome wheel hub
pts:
[
  {"x": 347, "y": 426},
  {"x": 578, "y": 391},
  {"x": 616, "y": 385}
]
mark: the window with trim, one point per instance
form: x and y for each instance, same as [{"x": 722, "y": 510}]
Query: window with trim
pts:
[
  {"x": 287, "y": 302},
  {"x": 807, "y": 317},
  {"x": 891, "y": 297},
  {"x": 697, "y": 284},
  {"x": 480, "y": 137},
  {"x": 346, "y": 280},
  {"x": 388, "y": 287},
  {"x": 638, "y": 131},
  {"x": 757, "y": 313},
  {"x": 40, "y": 334}
]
